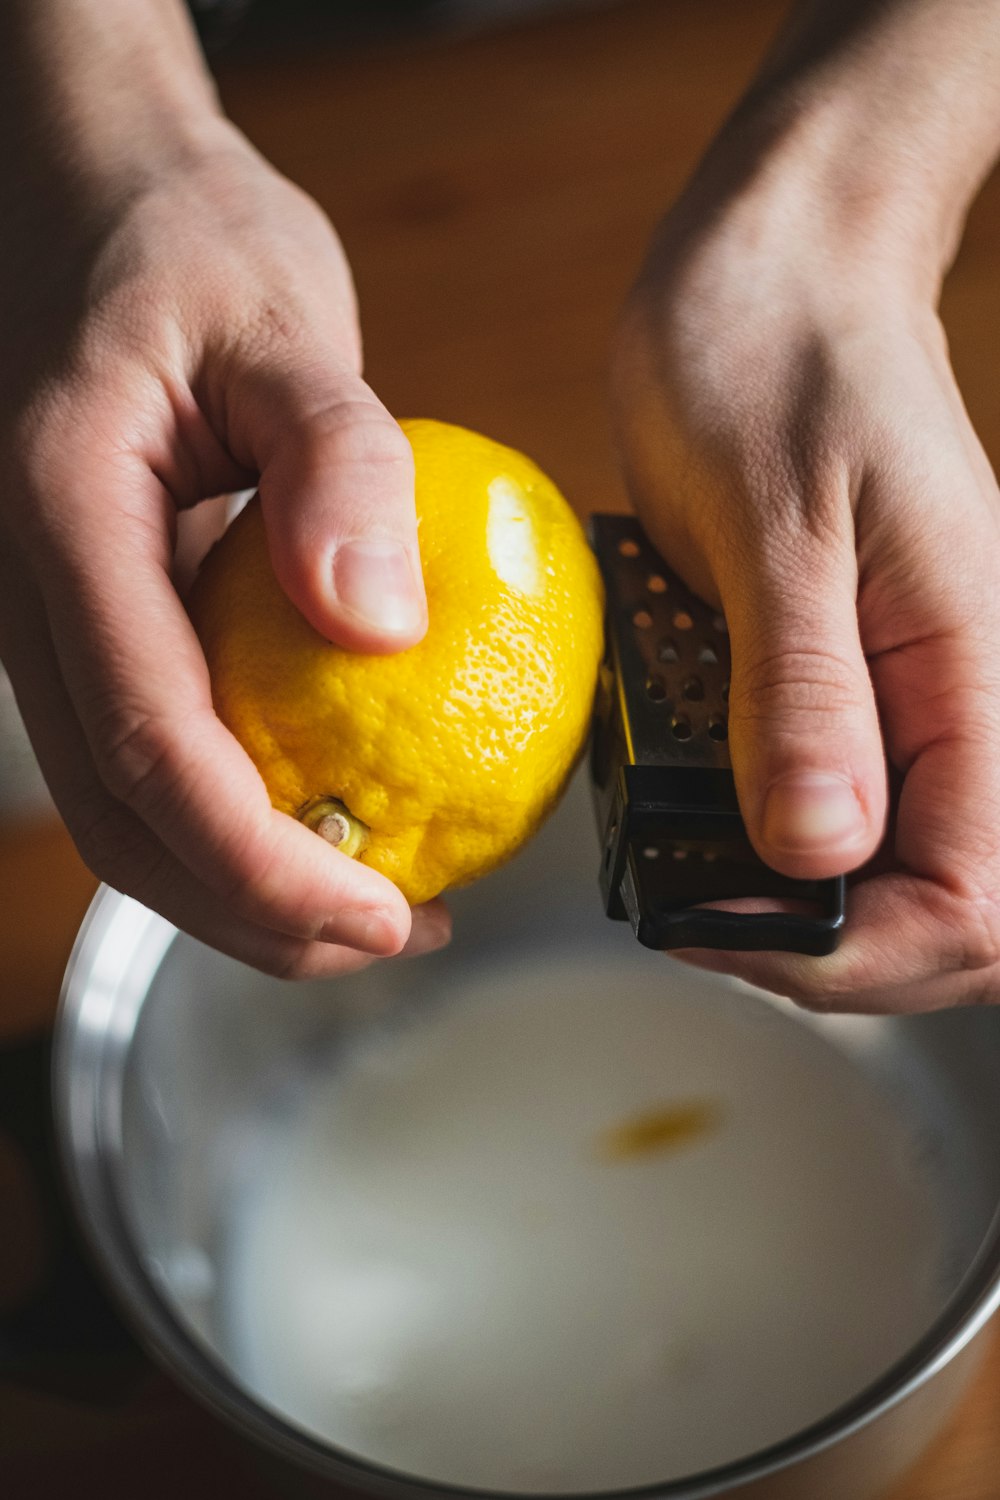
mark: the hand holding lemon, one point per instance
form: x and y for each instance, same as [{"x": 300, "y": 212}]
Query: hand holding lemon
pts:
[{"x": 432, "y": 765}]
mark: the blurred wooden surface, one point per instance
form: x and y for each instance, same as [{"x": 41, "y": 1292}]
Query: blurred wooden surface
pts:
[
  {"x": 494, "y": 194},
  {"x": 46, "y": 890}
]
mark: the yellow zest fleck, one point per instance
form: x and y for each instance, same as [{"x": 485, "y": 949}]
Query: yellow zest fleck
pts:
[{"x": 658, "y": 1130}]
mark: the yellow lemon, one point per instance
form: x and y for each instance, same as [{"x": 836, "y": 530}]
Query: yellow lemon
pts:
[{"x": 432, "y": 765}]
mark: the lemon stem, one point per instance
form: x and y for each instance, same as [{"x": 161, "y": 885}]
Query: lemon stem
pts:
[{"x": 334, "y": 822}]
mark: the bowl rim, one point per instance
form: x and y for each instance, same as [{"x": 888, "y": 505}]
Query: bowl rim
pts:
[{"x": 118, "y": 951}]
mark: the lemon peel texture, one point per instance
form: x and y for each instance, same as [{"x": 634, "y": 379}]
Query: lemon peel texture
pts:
[{"x": 435, "y": 764}]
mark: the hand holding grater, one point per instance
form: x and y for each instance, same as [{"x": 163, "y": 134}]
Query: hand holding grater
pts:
[{"x": 673, "y": 836}]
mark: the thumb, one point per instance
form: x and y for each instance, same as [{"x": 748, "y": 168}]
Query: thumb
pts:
[
  {"x": 336, "y": 490},
  {"x": 803, "y": 726}
]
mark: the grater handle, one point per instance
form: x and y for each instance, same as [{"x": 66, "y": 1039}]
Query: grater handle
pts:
[
  {"x": 663, "y": 917},
  {"x": 673, "y": 837},
  {"x": 747, "y": 932}
]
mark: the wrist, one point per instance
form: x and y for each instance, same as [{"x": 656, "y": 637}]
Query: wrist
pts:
[
  {"x": 95, "y": 91},
  {"x": 817, "y": 177},
  {"x": 871, "y": 127}
]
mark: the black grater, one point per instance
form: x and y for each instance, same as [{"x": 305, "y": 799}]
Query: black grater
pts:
[{"x": 671, "y": 830}]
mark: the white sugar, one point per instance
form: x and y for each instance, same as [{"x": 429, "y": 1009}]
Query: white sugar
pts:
[{"x": 442, "y": 1268}]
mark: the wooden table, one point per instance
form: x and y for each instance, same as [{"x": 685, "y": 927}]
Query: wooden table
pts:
[{"x": 494, "y": 194}]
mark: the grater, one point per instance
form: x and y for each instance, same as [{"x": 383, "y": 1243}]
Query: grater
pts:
[{"x": 664, "y": 793}]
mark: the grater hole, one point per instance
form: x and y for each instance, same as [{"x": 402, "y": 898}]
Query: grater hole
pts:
[
  {"x": 709, "y": 856},
  {"x": 681, "y": 729},
  {"x": 694, "y": 690},
  {"x": 642, "y": 619},
  {"x": 680, "y": 853},
  {"x": 667, "y": 651},
  {"x": 656, "y": 583},
  {"x": 628, "y": 548},
  {"x": 657, "y": 689},
  {"x": 650, "y": 852},
  {"x": 708, "y": 656},
  {"x": 682, "y": 620},
  {"x": 718, "y": 729},
  {"x": 720, "y": 624}
]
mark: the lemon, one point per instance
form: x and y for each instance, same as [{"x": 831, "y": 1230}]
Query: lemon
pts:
[{"x": 432, "y": 765}]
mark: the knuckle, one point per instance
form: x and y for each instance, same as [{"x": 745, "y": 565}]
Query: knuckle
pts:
[
  {"x": 986, "y": 993},
  {"x": 359, "y": 431},
  {"x": 817, "y": 994},
  {"x": 296, "y": 964},
  {"x": 254, "y": 897},
  {"x": 257, "y": 884},
  {"x": 966, "y": 920},
  {"x": 838, "y": 983},
  {"x": 116, "y": 849},
  {"x": 838, "y": 1002},
  {"x": 980, "y": 935},
  {"x": 136, "y": 755},
  {"x": 278, "y": 324},
  {"x": 354, "y": 440},
  {"x": 275, "y": 324},
  {"x": 246, "y": 884},
  {"x": 318, "y": 961},
  {"x": 792, "y": 681}
]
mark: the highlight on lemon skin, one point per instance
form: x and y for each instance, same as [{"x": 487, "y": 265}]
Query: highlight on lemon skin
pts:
[{"x": 432, "y": 765}]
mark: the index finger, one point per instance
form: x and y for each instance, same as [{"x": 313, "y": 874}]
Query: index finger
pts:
[
  {"x": 139, "y": 683},
  {"x": 926, "y": 934}
]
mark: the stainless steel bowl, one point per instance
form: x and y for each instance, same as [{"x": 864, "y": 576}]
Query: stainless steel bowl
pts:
[{"x": 172, "y": 1065}]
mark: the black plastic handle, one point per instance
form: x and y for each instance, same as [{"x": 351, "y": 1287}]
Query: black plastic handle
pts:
[
  {"x": 740, "y": 932},
  {"x": 663, "y": 919}
]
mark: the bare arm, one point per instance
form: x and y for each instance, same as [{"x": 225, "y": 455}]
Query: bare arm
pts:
[
  {"x": 177, "y": 320},
  {"x": 795, "y": 442}
]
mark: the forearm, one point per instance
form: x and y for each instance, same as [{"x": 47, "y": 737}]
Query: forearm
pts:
[
  {"x": 880, "y": 117},
  {"x": 93, "y": 89}
]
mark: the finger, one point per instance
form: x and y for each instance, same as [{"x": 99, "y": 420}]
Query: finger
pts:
[
  {"x": 907, "y": 948},
  {"x": 803, "y": 727},
  {"x": 139, "y": 686},
  {"x": 926, "y": 934},
  {"x": 337, "y": 494},
  {"x": 123, "y": 852}
]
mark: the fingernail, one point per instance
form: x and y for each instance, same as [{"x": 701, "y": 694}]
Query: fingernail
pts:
[
  {"x": 371, "y": 931},
  {"x": 427, "y": 935},
  {"x": 812, "y": 811},
  {"x": 374, "y": 578}
]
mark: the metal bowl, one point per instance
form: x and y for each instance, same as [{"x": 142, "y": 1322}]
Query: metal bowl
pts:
[{"x": 175, "y": 1068}]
